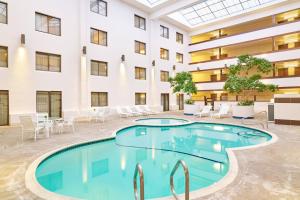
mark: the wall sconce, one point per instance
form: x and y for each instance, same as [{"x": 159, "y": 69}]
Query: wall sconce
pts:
[
  {"x": 153, "y": 63},
  {"x": 198, "y": 68},
  {"x": 174, "y": 67},
  {"x": 225, "y": 66},
  {"x": 22, "y": 39},
  {"x": 84, "y": 50},
  {"x": 123, "y": 58}
]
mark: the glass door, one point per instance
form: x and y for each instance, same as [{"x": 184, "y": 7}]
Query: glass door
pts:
[
  {"x": 4, "y": 108},
  {"x": 180, "y": 101},
  {"x": 165, "y": 101}
]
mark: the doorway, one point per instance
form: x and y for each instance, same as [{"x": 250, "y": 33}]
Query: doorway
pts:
[
  {"x": 4, "y": 108},
  {"x": 165, "y": 101},
  {"x": 180, "y": 101}
]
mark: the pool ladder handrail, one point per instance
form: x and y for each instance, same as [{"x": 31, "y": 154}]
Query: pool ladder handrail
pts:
[
  {"x": 187, "y": 179},
  {"x": 138, "y": 171}
]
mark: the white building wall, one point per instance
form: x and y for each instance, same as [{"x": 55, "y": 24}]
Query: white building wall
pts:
[{"x": 75, "y": 81}]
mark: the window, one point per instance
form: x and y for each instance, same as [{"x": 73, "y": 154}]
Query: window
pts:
[
  {"x": 164, "y": 31},
  {"x": 140, "y": 98},
  {"x": 164, "y": 76},
  {"x": 47, "y": 24},
  {"x": 179, "y": 58},
  {"x": 4, "y": 108},
  {"x": 3, "y": 57},
  {"x": 140, "y": 47},
  {"x": 140, "y": 73},
  {"x": 99, "y": 99},
  {"x": 98, "y": 37},
  {"x": 139, "y": 22},
  {"x": 179, "y": 38},
  {"x": 49, "y": 102},
  {"x": 48, "y": 62},
  {"x": 164, "y": 54},
  {"x": 98, "y": 68},
  {"x": 3, "y": 13},
  {"x": 99, "y": 6}
]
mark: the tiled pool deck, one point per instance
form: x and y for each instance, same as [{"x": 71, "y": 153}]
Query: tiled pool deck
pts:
[{"x": 270, "y": 172}]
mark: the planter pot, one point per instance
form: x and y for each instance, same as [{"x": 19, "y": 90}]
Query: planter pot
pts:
[
  {"x": 246, "y": 112},
  {"x": 190, "y": 109}
]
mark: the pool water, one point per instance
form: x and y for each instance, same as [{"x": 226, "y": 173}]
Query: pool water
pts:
[
  {"x": 104, "y": 170},
  {"x": 161, "y": 121}
]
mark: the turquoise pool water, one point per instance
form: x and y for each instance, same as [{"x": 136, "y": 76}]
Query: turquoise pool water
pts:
[
  {"x": 104, "y": 170},
  {"x": 161, "y": 121}
]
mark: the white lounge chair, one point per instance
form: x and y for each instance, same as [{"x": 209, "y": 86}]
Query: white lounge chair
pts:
[
  {"x": 27, "y": 125},
  {"x": 204, "y": 112},
  {"x": 132, "y": 112},
  {"x": 42, "y": 120},
  {"x": 122, "y": 113},
  {"x": 146, "y": 108},
  {"x": 144, "y": 112},
  {"x": 224, "y": 111}
]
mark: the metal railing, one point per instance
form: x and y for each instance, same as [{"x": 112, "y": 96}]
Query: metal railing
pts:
[
  {"x": 138, "y": 171},
  {"x": 187, "y": 179}
]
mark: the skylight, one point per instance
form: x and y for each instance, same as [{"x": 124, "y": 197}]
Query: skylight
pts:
[
  {"x": 212, "y": 10},
  {"x": 151, "y": 3}
]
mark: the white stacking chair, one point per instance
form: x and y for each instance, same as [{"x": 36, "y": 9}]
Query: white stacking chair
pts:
[
  {"x": 42, "y": 120},
  {"x": 28, "y": 125},
  {"x": 223, "y": 112},
  {"x": 102, "y": 114},
  {"x": 204, "y": 112}
]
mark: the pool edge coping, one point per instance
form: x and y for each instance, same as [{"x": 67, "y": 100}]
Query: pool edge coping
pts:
[{"x": 33, "y": 185}]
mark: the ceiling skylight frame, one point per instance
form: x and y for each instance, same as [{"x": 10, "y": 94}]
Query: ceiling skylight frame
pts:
[
  {"x": 151, "y": 3},
  {"x": 212, "y": 10}
]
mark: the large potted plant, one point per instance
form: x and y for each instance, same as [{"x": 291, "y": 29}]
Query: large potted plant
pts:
[
  {"x": 183, "y": 83},
  {"x": 244, "y": 80}
]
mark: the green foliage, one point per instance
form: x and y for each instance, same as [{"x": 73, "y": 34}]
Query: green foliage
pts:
[
  {"x": 246, "y": 103},
  {"x": 183, "y": 83},
  {"x": 189, "y": 101},
  {"x": 244, "y": 78}
]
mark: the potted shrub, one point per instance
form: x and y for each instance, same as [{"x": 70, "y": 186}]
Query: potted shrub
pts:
[
  {"x": 244, "y": 79},
  {"x": 183, "y": 83}
]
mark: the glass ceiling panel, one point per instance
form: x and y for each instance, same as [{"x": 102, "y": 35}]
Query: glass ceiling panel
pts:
[
  {"x": 151, "y": 3},
  {"x": 211, "y": 10}
]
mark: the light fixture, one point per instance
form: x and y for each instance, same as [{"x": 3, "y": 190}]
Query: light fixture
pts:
[
  {"x": 153, "y": 63},
  {"x": 84, "y": 50},
  {"x": 174, "y": 67},
  {"x": 22, "y": 39},
  {"x": 198, "y": 68},
  {"x": 225, "y": 66},
  {"x": 123, "y": 58}
]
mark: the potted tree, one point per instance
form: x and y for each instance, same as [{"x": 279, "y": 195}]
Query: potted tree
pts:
[
  {"x": 244, "y": 80},
  {"x": 183, "y": 83}
]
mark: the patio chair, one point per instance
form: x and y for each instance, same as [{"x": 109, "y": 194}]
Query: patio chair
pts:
[
  {"x": 28, "y": 125},
  {"x": 205, "y": 111},
  {"x": 122, "y": 113},
  {"x": 136, "y": 109},
  {"x": 132, "y": 112},
  {"x": 224, "y": 111},
  {"x": 102, "y": 114},
  {"x": 146, "y": 108},
  {"x": 42, "y": 120},
  {"x": 144, "y": 112}
]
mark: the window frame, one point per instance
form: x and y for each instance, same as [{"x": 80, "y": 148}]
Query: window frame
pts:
[
  {"x": 139, "y": 18},
  {"x": 98, "y": 8},
  {"x": 163, "y": 76},
  {"x": 98, "y": 99},
  {"x": 6, "y": 6},
  {"x": 137, "y": 73},
  {"x": 181, "y": 55},
  {"x": 137, "y": 98},
  {"x": 5, "y": 48},
  {"x": 48, "y": 64},
  {"x": 98, "y": 32},
  {"x": 48, "y": 16},
  {"x": 164, "y": 32},
  {"x": 164, "y": 50},
  {"x": 49, "y": 101},
  {"x": 179, "y": 40},
  {"x": 98, "y": 63},
  {"x": 139, "y": 49}
]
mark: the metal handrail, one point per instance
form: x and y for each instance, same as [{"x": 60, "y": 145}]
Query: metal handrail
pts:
[
  {"x": 260, "y": 123},
  {"x": 138, "y": 170},
  {"x": 187, "y": 179}
]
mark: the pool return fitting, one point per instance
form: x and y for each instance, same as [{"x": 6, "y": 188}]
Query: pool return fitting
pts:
[{"x": 139, "y": 171}]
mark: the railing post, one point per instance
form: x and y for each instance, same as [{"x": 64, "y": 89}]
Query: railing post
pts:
[
  {"x": 187, "y": 179},
  {"x": 138, "y": 171}
]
